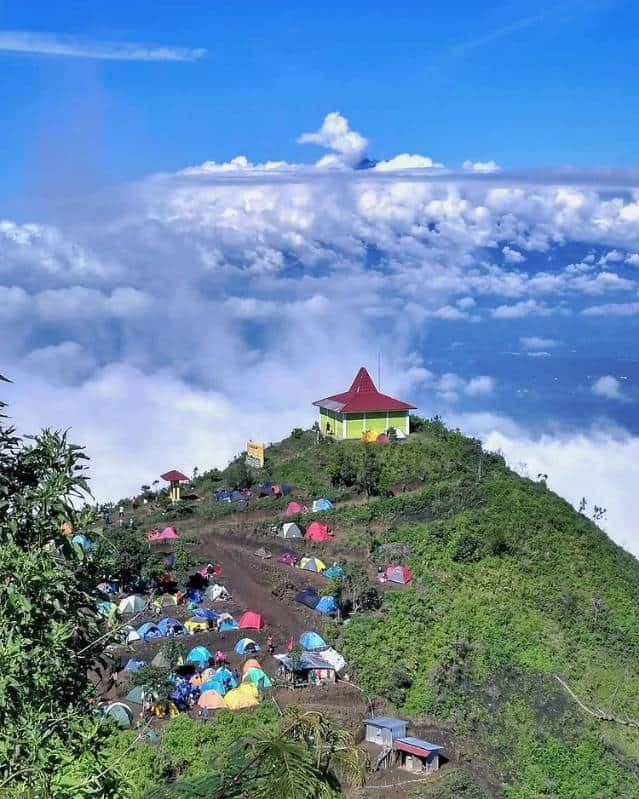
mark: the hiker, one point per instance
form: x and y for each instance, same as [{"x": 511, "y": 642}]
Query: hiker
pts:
[
  {"x": 291, "y": 644},
  {"x": 270, "y": 646}
]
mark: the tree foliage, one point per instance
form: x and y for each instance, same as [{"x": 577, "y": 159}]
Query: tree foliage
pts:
[{"x": 49, "y": 745}]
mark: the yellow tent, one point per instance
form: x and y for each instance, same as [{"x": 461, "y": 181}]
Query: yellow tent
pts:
[
  {"x": 245, "y": 695},
  {"x": 369, "y": 436},
  {"x": 196, "y": 625},
  {"x": 164, "y": 600},
  {"x": 251, "y": 663},
  {"x": 312, "y": 564}
]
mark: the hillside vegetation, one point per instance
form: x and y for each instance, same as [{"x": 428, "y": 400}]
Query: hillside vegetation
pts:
[{"x": 512, "y": 589}]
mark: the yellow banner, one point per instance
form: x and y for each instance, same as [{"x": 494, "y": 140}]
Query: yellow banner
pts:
[{"x": 255, "y": 454}]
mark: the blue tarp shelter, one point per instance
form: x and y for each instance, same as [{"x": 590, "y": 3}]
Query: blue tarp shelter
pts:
[
  {"x": 308, "y": 596},
  {"x": 205, "y": 614},
  {"x": 223, "y": 495}
]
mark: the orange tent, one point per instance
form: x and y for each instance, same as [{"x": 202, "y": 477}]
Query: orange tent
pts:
[
  {"x": 211, "y": 700},
  {"x": 251, "y": 663}
]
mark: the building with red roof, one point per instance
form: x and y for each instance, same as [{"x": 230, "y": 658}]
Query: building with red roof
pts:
[
  {"x": 174, "y": 478},
  {"x": 362, "y": 411}
]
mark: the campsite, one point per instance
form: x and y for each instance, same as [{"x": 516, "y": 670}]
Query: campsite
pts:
[{"x": 361, "y": 587}]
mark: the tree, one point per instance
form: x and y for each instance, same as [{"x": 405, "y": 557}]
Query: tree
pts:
[
  {"x": 304, "y": 756},
  {"x": 49, "y": 744},
  {"x": 123, "y": 555},
  {"x": 369, "y": 471}
]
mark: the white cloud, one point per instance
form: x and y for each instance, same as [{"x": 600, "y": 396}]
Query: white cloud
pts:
[
  {"x": 520, "y": 310},
  {"x": 599, "y": 464},
  {"x": 335, "y": 134},
  {"x": 480, "y": 386},
  {"x": 59, "y": 44},
  {"x": 537, "y": 343},
  {"x": 407, "y": 161},
  {"x": 513, "y": 256},
  {"x": 613, "y": 309},
  {"x": 614, "y": 256},
  {"x": 633, "y": 259},
  {"x": 608, "y": 387},
  {"x": 481, "y": 166}
]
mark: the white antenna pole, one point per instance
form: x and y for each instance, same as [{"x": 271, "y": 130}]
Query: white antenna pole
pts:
[{"x": 379, "y": 370}]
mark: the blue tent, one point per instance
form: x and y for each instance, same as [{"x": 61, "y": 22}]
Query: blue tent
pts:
[
  {"x": 134, "y": 665},
  {"x": 223, "y": 495},
  {"x": 334, "y": 571},
  {"x": 169, "y": 559},
  {"x": 246, "y": 646},
  {"x": 308, "y": 597},
  {"x": 327, "y": 604},
  {"x": 205, "y": 614},
  {"x": 166, "y": 624},
  {"x": 194, "y": 595},
  {"x": 82, "y": 540},
  {"x": 149, "y": 630},
  {"x": 237, "y": 496},
  {"x": 228, "y": 624},
  {"x": 322, "y": 504},
  {"x": 105, "y": 608},
  {"x": 199, "y": 655},
  {"x": 219, "y": 682},
  {"x": 311, "y": 640}
]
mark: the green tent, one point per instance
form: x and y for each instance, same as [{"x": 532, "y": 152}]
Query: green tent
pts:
[
  {"x": 160, "y": 661},
  {"x": 135, "y": 695},
  {"x": 121, "y": 714},
  {"x": 254, "y": 675}
]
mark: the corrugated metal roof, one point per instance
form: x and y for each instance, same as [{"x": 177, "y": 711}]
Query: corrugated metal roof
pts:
[
  {"x": 308, "y": 660},
  {"x": 387, "y": 722},
  {"x": 410, "y": 744}
]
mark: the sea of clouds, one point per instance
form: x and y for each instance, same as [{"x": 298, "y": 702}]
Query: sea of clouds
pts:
[{"x": 169, "y": 320}]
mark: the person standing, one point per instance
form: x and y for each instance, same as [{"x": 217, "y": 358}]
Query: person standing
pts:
[{"x": 270, "y": 646}]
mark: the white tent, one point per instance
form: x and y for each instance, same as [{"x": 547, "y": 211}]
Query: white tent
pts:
[
  {"x": 132, "y": 604},
  {"x": 290, "y": 530},
  {"x": 333, "y": 657},
  {"x": 216, "y": 591},
  {"x": 131, "y": 634}
]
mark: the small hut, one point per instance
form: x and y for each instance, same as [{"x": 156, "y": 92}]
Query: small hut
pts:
[
  {"x": 414, "y": 754},
  {"x": 308, "y": 669},
  {"x": 174, "y": 478},
  {"x": 385, "y": 730}
]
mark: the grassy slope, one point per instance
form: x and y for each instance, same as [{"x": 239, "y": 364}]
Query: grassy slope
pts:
[{"x": 512, "y": 586}]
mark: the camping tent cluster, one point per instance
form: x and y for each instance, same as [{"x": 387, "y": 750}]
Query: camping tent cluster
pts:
[
  {"x": 294, "y": 508},
  {"x": 203, "y": 619},
  {"x": 312, "y": 564},
  {"x": 316, "y": 531},
  {"x": 310, "y": 597},
  {"x": 236, "y": 495}
]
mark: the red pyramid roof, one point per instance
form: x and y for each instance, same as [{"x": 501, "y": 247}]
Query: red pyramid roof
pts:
[
  {"x": 362, "y": 396},
  {"x": 173, "y": 475}
]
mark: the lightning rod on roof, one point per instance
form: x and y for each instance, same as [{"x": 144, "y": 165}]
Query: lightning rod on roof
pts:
[{"x": 379, "y": 370}]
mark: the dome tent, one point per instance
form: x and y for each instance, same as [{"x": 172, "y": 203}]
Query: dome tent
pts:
[
  {"x": 133, "y": 664},
  {"x": 308, "y": 596},
  {"x": 312, "y": 565},
  {"x": 211, "y": 700},
  {"x": 398, "y": 574},
  {"x": 226, "y": 622},
  {"x": 120, "y": 713},
  {"x": 132, "y": 604},
  {"x": 334, "y": 571},
  {"x": 289, "y": 530},
  {"x": 251, "y": 621},
  {"x": 258, "y": 677},
  {"x": 245, "y": 695},
  {"x": 167, "y": 624},
  {"x": 316, "y": 531},
  {"x": 311, "y": 640},
  {"x": 293, "y": 508},
  {"x": 148, "y": 631},
  {"x": 327, "y": 604},
  {"x": 322, "y": 504},
  {"x": 196, "y": 625},
  {"x": 251, "y": 663},
  {"x": 246, "y": 645},
  {"x": 199, "y": 655}
]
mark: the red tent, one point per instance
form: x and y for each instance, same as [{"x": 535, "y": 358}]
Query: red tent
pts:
[
  {"x": 398, "y": 574},
  {"x": 251, "y": 621},
  {"x": 316, "y": 531},
  {"x": 292, "y": 508},
  {"x": 168, "y": 533},
  {"x": 382, "y": 438}
]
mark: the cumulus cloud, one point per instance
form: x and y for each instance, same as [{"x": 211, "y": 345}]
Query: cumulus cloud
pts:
[
  {"x": 176, "y": 317},
  {"x": 481, "y": 166},
  {"x": 608, "y": 387},
  {"x": 335, "y": 134},
  {"x": 513, "y": 256}
]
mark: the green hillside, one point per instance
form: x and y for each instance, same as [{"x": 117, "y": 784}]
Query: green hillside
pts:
[{"x": 512, "y": 588}]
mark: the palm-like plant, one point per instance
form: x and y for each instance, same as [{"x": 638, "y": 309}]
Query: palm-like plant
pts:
[{"x": 306, "y": 756}]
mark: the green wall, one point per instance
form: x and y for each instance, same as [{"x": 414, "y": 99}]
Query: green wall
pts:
[{"x": 377, "y": 422}]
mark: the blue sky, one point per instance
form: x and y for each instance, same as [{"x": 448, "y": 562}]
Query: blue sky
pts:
[
  {"x": 532, "y": 83},
  {"x": 190, "y": 253}
]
